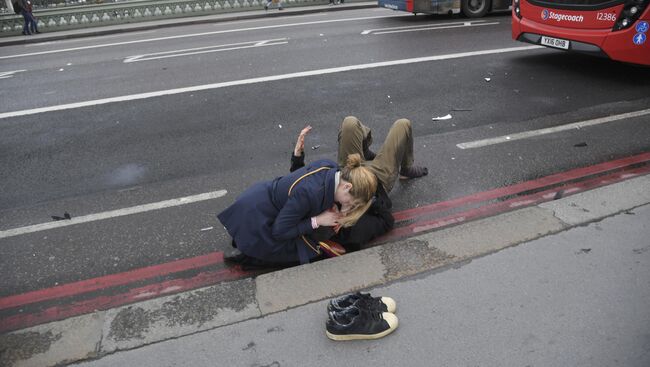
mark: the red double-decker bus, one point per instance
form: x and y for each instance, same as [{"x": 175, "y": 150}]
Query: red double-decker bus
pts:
[{"x": 618, "y": 29}]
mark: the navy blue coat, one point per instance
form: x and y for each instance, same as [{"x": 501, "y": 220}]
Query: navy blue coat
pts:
[{"x": 269, "y": 224}]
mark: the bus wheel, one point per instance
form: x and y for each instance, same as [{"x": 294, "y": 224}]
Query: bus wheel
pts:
[{"x": 475, "y": 8}]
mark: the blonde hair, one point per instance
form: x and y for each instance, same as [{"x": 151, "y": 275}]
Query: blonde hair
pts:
[{"x": 364, "y": 186}]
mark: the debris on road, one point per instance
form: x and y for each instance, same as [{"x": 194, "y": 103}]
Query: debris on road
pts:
[
  {"x": 461, "y": 109},
  {"x": 580, "y": 145},
  {"x": 488, "y": 79},
  {"x": 206, "y": 229},
  {"x": 315, "y": 147},
  {"x": 66, "y": 216},
  {"x": 446, "y": 117}
]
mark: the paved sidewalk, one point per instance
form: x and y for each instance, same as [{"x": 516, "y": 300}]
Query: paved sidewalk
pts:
[
  {"x": 576, "y": 298},
  {"x": 46, "y": 36}
]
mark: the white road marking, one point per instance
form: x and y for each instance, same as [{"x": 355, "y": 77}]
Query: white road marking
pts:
[
  {"x": 207, "y": 49},
  {"x": 9, "y": 74},
  {"x": 86, "y": 39},
  {"x": 301, "y": 74},
  {"x": 550, "y": 130},
  {"x": 422, "y": 26},
  {"x": 435, "y": 28},
  {"x": 194, "y": 35},
  {"x": 113, "y": 214}
]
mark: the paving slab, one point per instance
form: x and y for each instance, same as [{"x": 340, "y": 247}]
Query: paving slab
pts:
[
  {"x": 296, "y": 286},
  {"x": 182, "y": 314},
  {"x": 54, "y": 343},
  {"x": 413, "y": 256},
  {"x": 601, "y": 202},
  {"x": 495, "y": 233}
]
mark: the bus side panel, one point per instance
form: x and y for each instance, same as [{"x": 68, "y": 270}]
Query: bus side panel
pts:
[
  {"x": 422, "y": 6},
  {"x": 400, "y": 5},
  {"x": 448, "y": 7}
]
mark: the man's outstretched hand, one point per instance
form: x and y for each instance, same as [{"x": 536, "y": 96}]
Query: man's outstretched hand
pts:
[{"x": 300, "y": 144}]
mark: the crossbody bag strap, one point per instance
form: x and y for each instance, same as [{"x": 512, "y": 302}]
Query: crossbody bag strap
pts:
[
  {"x": 305, "y": 175},
  {"x": 316, "y": 248}
]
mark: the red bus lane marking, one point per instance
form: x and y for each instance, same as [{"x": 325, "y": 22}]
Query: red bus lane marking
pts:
[
  {"x": 54, "y": 313},
  {"x": 508, "y": 205},
  {"x": 89, "y": 285},
  {"x": 522, "y": 187}
]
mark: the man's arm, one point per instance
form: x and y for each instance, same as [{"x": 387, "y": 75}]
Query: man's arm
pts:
[{"x": 298, "y": 157}]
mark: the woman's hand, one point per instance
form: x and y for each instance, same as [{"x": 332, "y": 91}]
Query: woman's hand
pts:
[
  {"x": 300, "y": 144},
  {"x": 329, "y": 218}
]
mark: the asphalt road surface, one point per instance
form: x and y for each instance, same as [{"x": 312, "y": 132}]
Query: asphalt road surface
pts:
[{"x": 96, "y": 125}]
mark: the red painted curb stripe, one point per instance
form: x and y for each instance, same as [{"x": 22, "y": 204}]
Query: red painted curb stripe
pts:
[
  {"x": 84, "y": 286},
  {"x": 508, "y": 205},
  {"x": 522, "y": 187},
  {"x": 22, "y": 321}
]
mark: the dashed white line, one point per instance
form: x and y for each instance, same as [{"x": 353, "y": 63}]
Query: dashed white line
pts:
[
  {"x": 436, "y": 28},
  {"x": 86, "y": 39},
  {"x": 423, "y": 27},
  {"x": 206, "y": 49},
  {"x": 550, "y": 130},
  {"x": 301, "y": 74},
  {"x": 9, "y": 74},
  {"x": 113, "y": 213}
]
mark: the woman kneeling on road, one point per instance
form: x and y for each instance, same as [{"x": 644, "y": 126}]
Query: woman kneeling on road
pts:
[{"x": 272, "y": 222}]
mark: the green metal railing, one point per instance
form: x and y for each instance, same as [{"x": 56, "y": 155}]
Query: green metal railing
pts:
[{"x": 53, "y": 15}]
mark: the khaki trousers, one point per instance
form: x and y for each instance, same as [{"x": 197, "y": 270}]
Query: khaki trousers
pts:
[{"x": 396, "y": 152}]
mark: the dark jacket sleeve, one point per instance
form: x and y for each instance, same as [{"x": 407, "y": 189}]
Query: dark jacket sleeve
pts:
[
  {"x": 293, "y": 219},
  {"x": 297, "y": 162},
  {"x": 375, "y": 222}
]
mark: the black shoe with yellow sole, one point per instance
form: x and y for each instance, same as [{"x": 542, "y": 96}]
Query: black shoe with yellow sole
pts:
[{"x": 355, "y": 323}]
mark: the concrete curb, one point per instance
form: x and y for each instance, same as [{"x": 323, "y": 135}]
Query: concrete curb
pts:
[
  {"x": 105, "y": 332},
  {"x": 156, "y": 24}
]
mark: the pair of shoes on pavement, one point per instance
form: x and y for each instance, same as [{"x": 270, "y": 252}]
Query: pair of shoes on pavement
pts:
[{"x": 360, "y": 316}]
